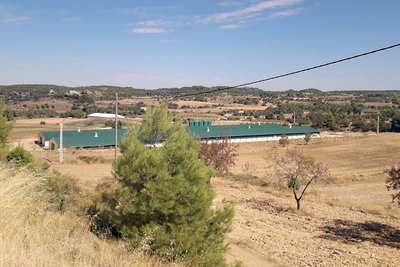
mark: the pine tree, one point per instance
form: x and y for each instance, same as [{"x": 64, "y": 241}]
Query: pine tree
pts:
[
  {"x": 164, "y": 196},
  {"x": 156, "y": 125},
  {"x": 5, "y": 129}
]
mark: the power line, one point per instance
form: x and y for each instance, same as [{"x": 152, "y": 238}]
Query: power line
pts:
[{"x": 293, "y": 72}]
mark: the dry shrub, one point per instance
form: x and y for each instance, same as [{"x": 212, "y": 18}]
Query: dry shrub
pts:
[
  {"x": 221, "y": 155},
  {"x": 91, "y": 159},
  {"x": 393, "y": 182},
  {"x": 249, "y": 168},
  {"x": 64, "y": 193},
  {"x": 32, "y": 235}
]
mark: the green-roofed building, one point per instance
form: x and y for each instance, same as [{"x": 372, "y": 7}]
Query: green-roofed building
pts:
[
  {"x": 100, "y": 138},
  {"x": 249, "y": 132},
  {"x": 204, "y": 130}
]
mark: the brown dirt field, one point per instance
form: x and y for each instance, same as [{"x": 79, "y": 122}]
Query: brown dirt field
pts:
[
  {"x": 127, "y": 101},
  {"x": 378, "y": 104},
  {"x": 341, "y": 102},
  {"x": 59, "y": 105},
  {"x": 350, "y": 221},
  {"x": 193, "y": 103},
  {"x": 355, "y": 157},
  {"x": 245, "y": 107},
  {"x": 30, "y": 128},
  {"x": 265, "y": 225}
]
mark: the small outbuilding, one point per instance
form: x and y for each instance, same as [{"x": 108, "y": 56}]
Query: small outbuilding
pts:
[{"x": 105, "y": 116}]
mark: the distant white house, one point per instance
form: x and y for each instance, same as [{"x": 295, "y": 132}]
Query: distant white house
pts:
[{"x": 105, "y": 115}]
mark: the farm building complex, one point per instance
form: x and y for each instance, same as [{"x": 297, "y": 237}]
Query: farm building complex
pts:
[{"x": 204, "y": 130}]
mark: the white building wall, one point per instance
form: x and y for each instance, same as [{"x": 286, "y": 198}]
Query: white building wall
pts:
[{"x": 260, "y": 139}]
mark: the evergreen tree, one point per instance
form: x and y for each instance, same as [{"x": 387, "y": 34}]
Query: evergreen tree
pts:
[
  {"x": 20, "y": 156},
  {"x": 164, "y": 197},
  {"x": 396, "y": 124},
  {"x": 5, "y": 129},
  {"x": 156, "y": 125}
]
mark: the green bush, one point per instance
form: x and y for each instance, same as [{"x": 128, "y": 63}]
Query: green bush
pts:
[
  {"x": 284, "y": 140},
  {"x": 307, "y": 138},
  {"x": 20, "y": 156},
  {"x": 111, "y": 123},
  {"x": 63, "y": 192},
  {"x": 5, "y": 129}
]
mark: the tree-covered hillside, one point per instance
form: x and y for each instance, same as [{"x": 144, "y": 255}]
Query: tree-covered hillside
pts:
[{"x": 103, "y": 92}]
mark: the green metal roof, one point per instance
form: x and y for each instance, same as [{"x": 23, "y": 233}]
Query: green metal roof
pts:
[
  {"x": 105, "y": 137},
  {"x": 86, "y": 138},
  {"x": 248, "y": 130}
]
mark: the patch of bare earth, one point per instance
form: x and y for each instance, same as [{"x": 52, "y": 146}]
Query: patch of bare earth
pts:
[{"x": 267, "y": 231}]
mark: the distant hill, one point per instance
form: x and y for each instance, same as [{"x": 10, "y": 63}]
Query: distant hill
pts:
[
  {"x": 104, "y": 92},
  {"x": 21, "y": 92},
  {"x": 312, "y": 91}
]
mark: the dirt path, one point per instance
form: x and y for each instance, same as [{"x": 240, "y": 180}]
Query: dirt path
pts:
[{"x": 238, "y": 252}]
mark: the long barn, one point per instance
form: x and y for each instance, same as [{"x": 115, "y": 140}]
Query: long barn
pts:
[
  {"x": 248, "y": 132},
  {"x": 101, "y": 138},
  {"x": 204, "y": 130}
]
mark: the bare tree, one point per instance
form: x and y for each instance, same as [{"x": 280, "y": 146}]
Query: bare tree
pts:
[
  {"x": 393, "y": 182},
  {"x": 298, "y": 171},
  {"x": 220, "y": 154}
]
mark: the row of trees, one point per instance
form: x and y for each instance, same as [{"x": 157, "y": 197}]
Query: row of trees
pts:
[
  {"x": 77, "y": 111},
  {"x": 338, "y": 116}
]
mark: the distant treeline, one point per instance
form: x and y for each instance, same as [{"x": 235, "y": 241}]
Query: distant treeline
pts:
[
  {"x": 25, "y": 92},
  {"x": 333, "y": 110}
]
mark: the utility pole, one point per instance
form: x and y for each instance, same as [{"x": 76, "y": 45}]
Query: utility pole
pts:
[
  {"x": 116, "y": 126},
  {"x": 377, "y": 126},
  {"x": 61, "y": 148},
  {"x": 294, "y": 117}
]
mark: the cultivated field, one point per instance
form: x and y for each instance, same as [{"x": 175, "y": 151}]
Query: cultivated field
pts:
[{"x": 348, "y": 221}]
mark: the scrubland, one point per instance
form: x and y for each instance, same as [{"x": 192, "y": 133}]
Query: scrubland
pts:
[
  {"x": 32, "y": 234},
  {"x": 348, "y": 220}
]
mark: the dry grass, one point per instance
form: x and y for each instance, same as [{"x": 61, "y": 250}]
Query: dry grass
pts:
[
  {"x": 357, "y": 164},
  {"x": 31, "y": 235}
]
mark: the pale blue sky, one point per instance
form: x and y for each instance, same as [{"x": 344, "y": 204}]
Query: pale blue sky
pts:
[{"x": 152, "y": 44}]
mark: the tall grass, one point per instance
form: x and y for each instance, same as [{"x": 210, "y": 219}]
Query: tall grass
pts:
[{"x": 33, "y": 235}]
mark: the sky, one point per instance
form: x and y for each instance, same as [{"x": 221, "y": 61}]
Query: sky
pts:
[{"x": 176, "y": 43}]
